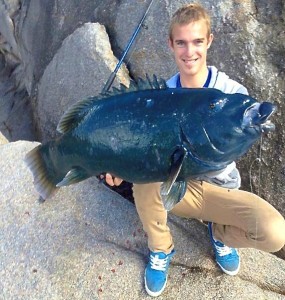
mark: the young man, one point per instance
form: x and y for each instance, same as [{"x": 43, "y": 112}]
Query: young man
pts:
[{"x": 232, "y": 214}]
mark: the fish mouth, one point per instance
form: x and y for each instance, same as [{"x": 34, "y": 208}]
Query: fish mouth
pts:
[{"x": 257, "y": 116}]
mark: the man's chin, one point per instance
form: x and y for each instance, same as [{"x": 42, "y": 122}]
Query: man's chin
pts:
[{"x": 189, "y": 71}]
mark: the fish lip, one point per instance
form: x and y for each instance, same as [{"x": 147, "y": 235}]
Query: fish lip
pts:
[
  {"x": 254, "y": 117},
  {"x": 247, "y": 121},
  {"x": 268, "y": 126}
]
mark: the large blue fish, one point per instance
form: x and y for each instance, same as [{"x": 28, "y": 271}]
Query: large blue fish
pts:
[{"x": 150, "y": 133}]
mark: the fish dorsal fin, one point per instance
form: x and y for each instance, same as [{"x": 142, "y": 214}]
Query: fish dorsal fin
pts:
[
  {"x": 79, "y": 110},
  {"x": 75, "y": 114}
]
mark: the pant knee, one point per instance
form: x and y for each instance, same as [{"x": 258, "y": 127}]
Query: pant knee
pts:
[
  {"x": 272, "y": 235},
  {"x": 146, "y": 194}
]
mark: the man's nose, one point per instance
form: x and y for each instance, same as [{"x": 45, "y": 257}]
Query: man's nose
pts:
[{"x": 189, "y": 50}]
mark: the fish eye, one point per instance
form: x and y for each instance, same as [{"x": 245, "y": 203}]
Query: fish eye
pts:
[
  {"x": 217, "y": 105},
  {"x": 214, "y": 107}
]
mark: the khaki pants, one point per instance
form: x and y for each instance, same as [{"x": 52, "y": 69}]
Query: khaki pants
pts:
[{"x": 241, "y": 219}]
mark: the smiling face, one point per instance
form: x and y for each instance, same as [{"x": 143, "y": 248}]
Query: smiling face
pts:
[{"x": 189, "y": 44}]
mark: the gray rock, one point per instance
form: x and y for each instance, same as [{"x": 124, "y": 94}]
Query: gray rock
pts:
[
  {"x": 49, "y": 22},
  {"x": 79, "y": 70},
  {"x": 150, "y": 53},
  {"x": 15, "y": 109},
  {"x": 8, "y": 9},
  {"x": 16, "y": 117},
  {"x": 3, "y": 139},
  {"x": 87, "y": 243}
]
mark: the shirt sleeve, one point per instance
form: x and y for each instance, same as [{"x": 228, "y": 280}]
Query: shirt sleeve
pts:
[
  {"x": 224, "y": 83},
  {"x": 242, "y": 90},
  {"x": 228, "y": 178}
]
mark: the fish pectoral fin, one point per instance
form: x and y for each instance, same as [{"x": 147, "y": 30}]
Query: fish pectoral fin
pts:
[
  {"x": 176, "y": 165},
  {"x": 172, "y": 192},
  {"x": 176, "y": 193},
  {"x": 75, "y": 175}
]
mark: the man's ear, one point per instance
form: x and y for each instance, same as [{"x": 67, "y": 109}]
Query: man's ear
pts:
[
  {"x": 210, "y": 40},
  {"x": 170, "y": 44}
]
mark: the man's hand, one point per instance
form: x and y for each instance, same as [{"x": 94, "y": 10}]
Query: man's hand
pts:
[{"x": 111, "y": 180}]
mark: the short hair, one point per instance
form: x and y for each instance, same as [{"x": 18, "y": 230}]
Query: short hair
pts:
[{"x": 190, "y": 13}]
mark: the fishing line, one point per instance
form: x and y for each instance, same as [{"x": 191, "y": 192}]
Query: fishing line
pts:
[{"x": 258, "y": 160}]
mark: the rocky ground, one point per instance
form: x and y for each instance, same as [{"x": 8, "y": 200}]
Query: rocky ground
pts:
[{"x": 87, "y": 243}]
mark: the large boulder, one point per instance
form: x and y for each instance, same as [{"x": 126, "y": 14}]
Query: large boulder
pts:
[
  {"x": 79, "y": 70},
  {"x": 87, "y": 243}
]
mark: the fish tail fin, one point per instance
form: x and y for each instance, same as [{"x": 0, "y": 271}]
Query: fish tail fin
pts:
[{"x": 38, "y": 164}]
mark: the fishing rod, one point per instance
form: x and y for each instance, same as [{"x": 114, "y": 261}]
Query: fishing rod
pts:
[
  {"x": 131, "y": 41},
  {"x": 112, "y": 77}
]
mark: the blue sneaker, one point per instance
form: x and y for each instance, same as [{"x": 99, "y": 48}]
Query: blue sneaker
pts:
[
  {"x": 155, "y": 277},
  {"x": 227, "y": 258}
]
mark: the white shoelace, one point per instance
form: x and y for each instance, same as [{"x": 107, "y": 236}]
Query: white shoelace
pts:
[
  {"x": 223, "y": 250},
  {"x": 157, "y": 263}
]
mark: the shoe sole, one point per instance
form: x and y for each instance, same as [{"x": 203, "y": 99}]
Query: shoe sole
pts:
[
  {"x": 231, "y": 273},
  {"x": 154, "y": 294}
]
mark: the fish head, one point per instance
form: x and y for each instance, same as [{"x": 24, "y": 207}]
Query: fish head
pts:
[
  {"x": 240, "y": 120},
  {"x": 231, "y": 124}
]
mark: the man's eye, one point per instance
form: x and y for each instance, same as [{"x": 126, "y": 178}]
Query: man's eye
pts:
[{"x": 180, "y": 43}]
